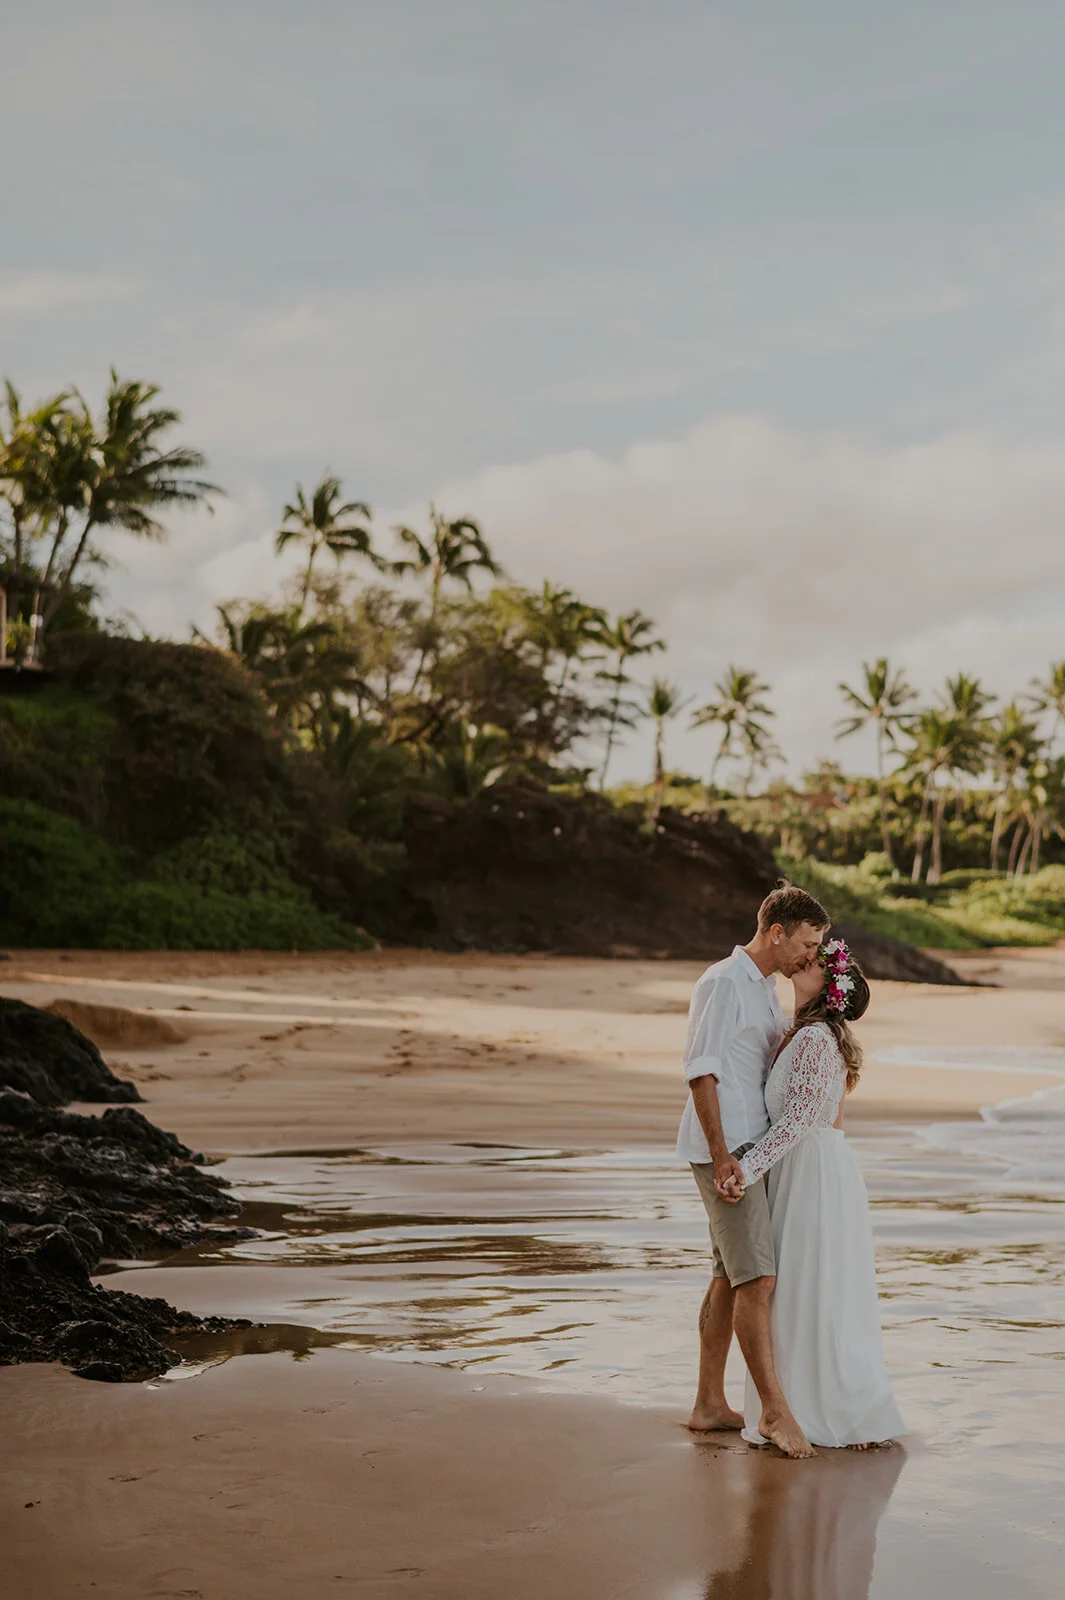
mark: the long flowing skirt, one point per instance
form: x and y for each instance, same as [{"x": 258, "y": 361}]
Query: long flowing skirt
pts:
[{"x": 826, "y": 1320}]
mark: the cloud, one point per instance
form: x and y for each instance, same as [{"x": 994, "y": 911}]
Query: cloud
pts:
[
  {"x": 34, "y": 293},
  {"x": 207, "y": 558}
]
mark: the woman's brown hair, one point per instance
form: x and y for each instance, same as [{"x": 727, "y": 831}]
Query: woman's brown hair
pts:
[{"x": 815, "y": 1010}]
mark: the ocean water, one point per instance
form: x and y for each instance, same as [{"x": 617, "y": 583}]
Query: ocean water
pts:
[
  {"x": 585, "y": 1269},
  {"x": 1018, "y": 1142}
]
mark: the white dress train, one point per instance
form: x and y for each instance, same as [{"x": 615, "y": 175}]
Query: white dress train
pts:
[{"x": 827, "y": 1340}]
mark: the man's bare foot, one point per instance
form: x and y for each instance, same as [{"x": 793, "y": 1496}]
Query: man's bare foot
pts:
[
  {"x": 714, "y": 1419},
  {"x": 786, "y": 1434}
]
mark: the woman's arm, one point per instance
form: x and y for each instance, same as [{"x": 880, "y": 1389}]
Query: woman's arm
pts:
[{"x": 813, "y": 1089}]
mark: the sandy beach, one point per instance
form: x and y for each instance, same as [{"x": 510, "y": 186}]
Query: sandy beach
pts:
[{"x": 462, "y": 1165}]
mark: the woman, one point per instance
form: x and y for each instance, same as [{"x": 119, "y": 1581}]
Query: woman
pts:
[{"x": 826, "y": 1321}]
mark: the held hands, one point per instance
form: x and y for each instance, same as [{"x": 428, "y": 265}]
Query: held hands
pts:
[{"x": 728, "y": 1179}]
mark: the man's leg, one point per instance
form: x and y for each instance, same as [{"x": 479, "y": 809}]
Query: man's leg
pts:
[
  {"x": 751, "y": 1314},
  {"x": 711, "y": 1409}
]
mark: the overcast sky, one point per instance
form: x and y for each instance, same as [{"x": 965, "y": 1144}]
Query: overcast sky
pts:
[{"x": 752, "y": 315}]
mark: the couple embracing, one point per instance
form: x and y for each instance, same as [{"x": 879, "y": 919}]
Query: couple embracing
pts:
[{"x": 794, "y": 1273}]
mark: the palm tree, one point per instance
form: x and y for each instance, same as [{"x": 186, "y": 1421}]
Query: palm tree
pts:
[
  {"x": 1014, "y": 746},
  {"x": 968, "y": 700},
  {"x": 47, "y": 464},
  {"x": 324, "y": 523},
  {"x": 630, "y": 636},
  {"x": 454, "y": 550},
  {"x": 760, "y": 749},
  {"x": 664, "y": 702},
  {"x": 881, "y": 700},
  {"x": 115, "y": 474},
  {"x": 738, "y": 710},
  {"x": 1050, "y": 696},
  {"x": 966, "y": 697},
  {"x": 304, "y": 669},
  {"x": 944, "y": 745},
  {"x": 467, "y": 760},
  {"x": 23, "y": 473},
  {"x": 1045, "y": 809},
  {"x": 563, "y": 626}
]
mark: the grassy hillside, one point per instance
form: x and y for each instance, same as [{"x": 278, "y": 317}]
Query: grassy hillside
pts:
[
  {"x": 967, "y": 911},
  {"x": 148, "y": 803}
]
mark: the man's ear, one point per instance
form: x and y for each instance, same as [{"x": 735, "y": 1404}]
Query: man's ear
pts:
[{"x": 778, "y": 932}]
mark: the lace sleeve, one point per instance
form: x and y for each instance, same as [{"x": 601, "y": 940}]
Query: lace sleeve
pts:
[{"x": 811, "y": 1099}]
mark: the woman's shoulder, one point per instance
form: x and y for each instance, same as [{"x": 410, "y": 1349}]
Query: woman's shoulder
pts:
[{"x": 813, "y": 1033}]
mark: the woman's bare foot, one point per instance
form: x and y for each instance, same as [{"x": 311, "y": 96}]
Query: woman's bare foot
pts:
[
  {"x": 714, "y": 1419},
  {"x": 782, "y": 1429}
]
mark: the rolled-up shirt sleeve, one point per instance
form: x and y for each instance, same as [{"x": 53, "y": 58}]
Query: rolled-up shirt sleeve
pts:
[{"x": 712, "y": 1025}]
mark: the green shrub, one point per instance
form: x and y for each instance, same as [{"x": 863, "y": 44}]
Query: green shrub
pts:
[
  {"x": 64, "y": 886},
  {"x": 222, "y": 860},
  {"x": 988, "y": 928},
  {"x": 52, "y": 747},
  {"x": 171, "y": 916},
  {"x": 963, "y": 877},
  {"x": 57, "y": 877},
  {"x": 1034, "y": 907},
  {"x": 848, "y": 895}
]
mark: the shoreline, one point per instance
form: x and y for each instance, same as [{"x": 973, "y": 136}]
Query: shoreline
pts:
[
  {"x": 326, "y": 1471},
  {"x": 394, "y": 1045}
]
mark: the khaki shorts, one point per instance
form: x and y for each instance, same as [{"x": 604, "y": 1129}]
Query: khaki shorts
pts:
[{"x": 740, "y": 1231}]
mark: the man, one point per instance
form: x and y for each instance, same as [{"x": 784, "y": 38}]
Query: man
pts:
[{"x": 735, "y": 1027}]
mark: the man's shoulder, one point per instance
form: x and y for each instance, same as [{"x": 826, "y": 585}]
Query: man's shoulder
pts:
[
  {"x": 726, "y": 971},
  {"x": 730, "y": 966}
]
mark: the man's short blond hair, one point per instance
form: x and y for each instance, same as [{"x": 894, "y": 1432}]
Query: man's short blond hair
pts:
[{"x": 789, "y": 906}]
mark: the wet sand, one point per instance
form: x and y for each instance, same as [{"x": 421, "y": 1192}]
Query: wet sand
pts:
[
  {"x": 271, "y": 1480},
  {"x": 350, "y": 1476},
  {"x": 314, "y": 1471}
]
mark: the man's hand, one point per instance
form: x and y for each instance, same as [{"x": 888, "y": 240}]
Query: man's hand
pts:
[{"x": 728, "y": 1178}]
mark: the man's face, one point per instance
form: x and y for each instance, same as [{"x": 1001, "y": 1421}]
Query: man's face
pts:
[{"x": 799, "y": 948}]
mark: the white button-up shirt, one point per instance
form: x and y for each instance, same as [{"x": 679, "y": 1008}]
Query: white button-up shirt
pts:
[{"x": 735, "y": 1026}]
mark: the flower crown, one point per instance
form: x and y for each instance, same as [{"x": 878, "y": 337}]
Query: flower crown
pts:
[{"x": 835, "y": 957}]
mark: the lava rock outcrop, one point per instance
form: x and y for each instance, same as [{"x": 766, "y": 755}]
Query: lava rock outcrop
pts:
[
  {"x": 76, "y": 1190},
  {"x": 45, "y": 1056}
]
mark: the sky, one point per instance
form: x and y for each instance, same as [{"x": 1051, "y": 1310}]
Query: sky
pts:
[{"x": 752, "y": 316}]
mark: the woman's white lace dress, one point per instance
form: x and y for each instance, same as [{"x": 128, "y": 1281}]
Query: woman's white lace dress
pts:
[{"x": 826, "y": 1320}]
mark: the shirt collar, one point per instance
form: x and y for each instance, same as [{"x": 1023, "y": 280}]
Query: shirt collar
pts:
[{"x": 752, "y": 969}]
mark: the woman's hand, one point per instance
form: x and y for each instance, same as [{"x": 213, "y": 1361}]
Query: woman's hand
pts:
[{"x": 728, "y": 1179}]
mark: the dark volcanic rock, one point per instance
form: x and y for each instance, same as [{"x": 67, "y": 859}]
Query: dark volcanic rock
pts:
[
  {"x": 882, "y": 957},
  {"x": 46, "y": 1057},
  {"x": 50, "y": 1311},
  {"x": 519, "y": 869},
  {"x": 138, "y": 1187},
  {"x": 78, "y": 1189}
]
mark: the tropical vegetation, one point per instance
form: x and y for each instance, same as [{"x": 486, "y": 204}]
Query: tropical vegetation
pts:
[{"x": 404, "y": 661}]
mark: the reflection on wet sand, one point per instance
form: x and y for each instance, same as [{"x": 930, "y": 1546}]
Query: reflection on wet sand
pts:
[
  {"x": 808, "y": 1533},
  {"x": 587, "y": 1268},
  {"x": 201, "y": 1350}
]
